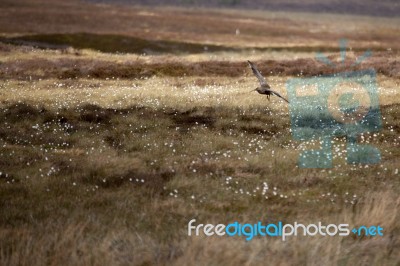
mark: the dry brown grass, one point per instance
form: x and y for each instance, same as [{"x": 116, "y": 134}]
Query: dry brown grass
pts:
[
  {"x": 258, "y": 29},
  {"x": 306, "y": 250},
  {"x": 108, "y": 184},
  {"x": 105, "y": 158},
  {"x": 64, "y": 242},
  {"x": 87, "y": 67}
]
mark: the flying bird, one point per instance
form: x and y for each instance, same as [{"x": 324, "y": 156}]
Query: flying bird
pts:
[{"x": 264, "y": 88}]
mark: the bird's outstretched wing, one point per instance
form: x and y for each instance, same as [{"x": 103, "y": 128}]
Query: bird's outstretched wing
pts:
[
  {"x": 257, "y": 73},
  {"x": 280, "y": 96}
]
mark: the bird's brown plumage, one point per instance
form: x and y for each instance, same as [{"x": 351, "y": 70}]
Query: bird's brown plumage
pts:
[{"x": 264, "y": 87}]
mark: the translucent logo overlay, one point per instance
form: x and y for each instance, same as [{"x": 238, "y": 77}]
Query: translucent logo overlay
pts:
[{"x": 344, "y": 104}]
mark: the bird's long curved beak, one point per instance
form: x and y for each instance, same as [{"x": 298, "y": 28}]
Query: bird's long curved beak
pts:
[{"x": 253, "y": 90}]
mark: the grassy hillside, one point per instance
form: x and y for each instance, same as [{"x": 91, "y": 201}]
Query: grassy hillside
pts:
[{"x": 119, "y": 127}]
